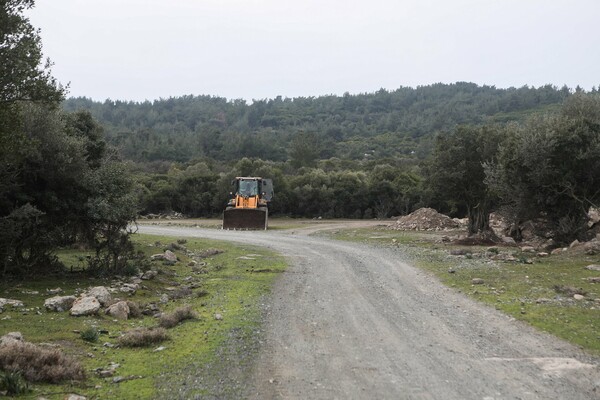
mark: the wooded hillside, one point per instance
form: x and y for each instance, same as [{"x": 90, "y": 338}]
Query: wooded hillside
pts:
[{"x": 372, "y": 125}]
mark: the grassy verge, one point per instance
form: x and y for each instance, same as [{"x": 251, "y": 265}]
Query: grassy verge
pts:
[
  {"x": 538, "y": 290},
  {"x": 223, "y": 290},
  {"x": 275, "y": 223}
]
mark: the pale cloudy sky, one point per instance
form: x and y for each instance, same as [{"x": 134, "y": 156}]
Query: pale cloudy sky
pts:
[{"x": 255, "y": 49}]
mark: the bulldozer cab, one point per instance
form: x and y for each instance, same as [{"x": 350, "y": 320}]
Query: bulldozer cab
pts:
[{"x": 248, "y": 187}]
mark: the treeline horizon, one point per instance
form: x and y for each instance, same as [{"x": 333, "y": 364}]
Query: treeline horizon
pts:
[{"x": 398, "y": 123}]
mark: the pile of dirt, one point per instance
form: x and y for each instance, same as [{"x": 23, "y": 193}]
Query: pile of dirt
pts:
[{"x": 425, "y": 219}]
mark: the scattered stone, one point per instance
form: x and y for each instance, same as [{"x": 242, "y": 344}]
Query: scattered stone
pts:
[
  {"x": 54, "y": 291},
  {"x": 86, "y": 305},
  {"x": 477, "y": 281},
  {"x": 556, "y": 251},
  {"x": 157, "y": 257},
  {"x": 192, "y": 263},
  {"x": 11, "y": 302},
  {"x": 218, "y": 317},
  {"x": 31, "y": 292},
  {"x": 160, "y": 348},
  {"x": 209, "y": 253},
  {"x": 101, "y": 293},
  {"x": 59, "y": 303},
  {"x": 578, "y": 297},
  {"x": 11, "y": 337},
  {"x": 528, "y": 249},
  {"x": 458, "y": 252},
  {"x": 542, "y": 254},
  {"x": 451, "y": 270},
  {"x": 129, "y": 288},
  {"x": 75, "y": 397},
  {"x": 543, "y": 300},
  {"x": 170, "y": 256},
  {"x": 246, "y": 258},
  {"x": 593, "y": 267},
  {"x": 119, "y": 379},
  {"x": 136, "y": 281},
  {"x": 108, "y": 345},
  {"x": 118, "y": 310},
  {"x": 164, "y": 298},
  {"x": 508, "y": 240},
  {"x": 105, "y": 373},
  {"x": 594, "y": 279},
  {"x": 149, "y": 275},
  {"x": 574, "y": 243},
  {"x": 151, "y": 309}
]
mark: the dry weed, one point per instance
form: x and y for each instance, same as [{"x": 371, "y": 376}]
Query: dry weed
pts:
[{"x": 38, "y": 364}]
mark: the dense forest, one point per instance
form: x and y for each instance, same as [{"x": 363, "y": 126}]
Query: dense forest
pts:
[
  {"x": 78, "y": 172},
  {"x": 375, "y": 125}
]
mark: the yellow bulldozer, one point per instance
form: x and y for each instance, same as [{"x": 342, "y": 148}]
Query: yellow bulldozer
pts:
[{"x": 248, "y": 207}]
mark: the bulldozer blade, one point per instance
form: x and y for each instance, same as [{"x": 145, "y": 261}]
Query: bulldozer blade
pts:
[{"x": 245, "y": 218}]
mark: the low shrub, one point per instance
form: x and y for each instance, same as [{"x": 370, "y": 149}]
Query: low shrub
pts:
[
  {"x": 90, "y": 334},
  {"x": 13, "y": 383},
  {"x": 180, "y": 293},
  {"x": 181, "y": 314},
  {"x": 39, "y": 364},
  {"x": 142, "y": 337}
]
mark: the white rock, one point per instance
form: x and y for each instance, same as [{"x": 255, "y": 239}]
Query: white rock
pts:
[
  {"x": 11, "y": 302},
  {"x": 11, "y": 337},
  {"x": 129, "y": 288},
  {"x": 59, "y": 303},
  {"x": 86, "y": 305},
  {"x": 508, "y": 240},
  {"x": 148, "y": 275},
  {"x": 118, "y": 310},
  {"x": 75, "y": 397},
  {"x": 101, "y": 293},
  {"x": 578, "y": 297},
  {"x": 54, "y": 291},
  {"x": 170, "y": 256}
]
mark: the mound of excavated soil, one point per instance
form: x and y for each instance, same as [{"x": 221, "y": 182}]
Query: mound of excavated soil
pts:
[{"x": 425, "y": 219}]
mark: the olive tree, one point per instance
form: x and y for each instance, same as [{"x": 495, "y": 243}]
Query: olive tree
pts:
[
  {"x": 455, "y": 173},
  {"x": 550, "y": 167}
]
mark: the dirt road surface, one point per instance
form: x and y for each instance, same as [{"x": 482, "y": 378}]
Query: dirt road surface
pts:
[{"x": 349, "y": 321}]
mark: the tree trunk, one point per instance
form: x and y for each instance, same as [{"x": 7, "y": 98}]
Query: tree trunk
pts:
[{"x": 479, "y": 219}]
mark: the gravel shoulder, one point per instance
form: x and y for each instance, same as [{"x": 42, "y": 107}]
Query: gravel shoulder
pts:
[{"x": 352, "y": 321}]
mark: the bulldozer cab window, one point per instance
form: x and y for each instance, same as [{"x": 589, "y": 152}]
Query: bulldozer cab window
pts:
[{"x": 248, "y": 188}]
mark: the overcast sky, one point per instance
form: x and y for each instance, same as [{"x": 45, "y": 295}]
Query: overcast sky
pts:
[{"x": 255, "y": 49}]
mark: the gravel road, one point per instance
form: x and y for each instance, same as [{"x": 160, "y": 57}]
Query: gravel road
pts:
[{"x": 349, "y": 321}]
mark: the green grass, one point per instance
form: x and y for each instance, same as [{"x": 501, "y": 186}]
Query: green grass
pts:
[
  {"x": 234, "y": 291},
  {"x": 516, "y": 288}
]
